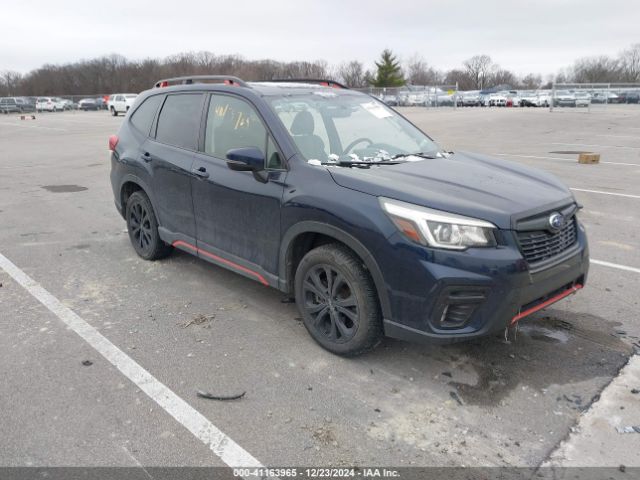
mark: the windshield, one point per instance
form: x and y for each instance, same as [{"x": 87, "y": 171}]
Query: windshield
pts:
[{"x": 330, "y": 127}]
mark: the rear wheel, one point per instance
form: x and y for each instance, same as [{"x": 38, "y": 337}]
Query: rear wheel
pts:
[
  {"x": 338, "y": 301},
  {"x": 143, "y": 228}
]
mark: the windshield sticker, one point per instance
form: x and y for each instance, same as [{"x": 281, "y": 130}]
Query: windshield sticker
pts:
[
  {"x": 376, "y": 110},
  {"x": 324, "y": 94}
]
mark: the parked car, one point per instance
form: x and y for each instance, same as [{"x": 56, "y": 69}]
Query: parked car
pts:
[
  {"x": 121, "y": 102},
  {"x": 61, "y": 104},
  {"x": 26, "y": 104},
  {"x": 528, "y": 99},
  {"x": 46, "y": 104},
  {"x": 9, "y": 105},
  {"x": 582, "y": 99},
  {"x": 543, "y": 98},
  {"x": 88, "y": 104},
  {"x": 497, "y": 100},
  {"x": 413, "y": 98},
  {"x": 341, "y": 203},
  {"x": 68, "y": 104},
  {"x": 390, "y": 99},
  {"x": 633, "y": 97},
  {"x": 564, "y": 98},
  {"x": 470, "y": 99}
]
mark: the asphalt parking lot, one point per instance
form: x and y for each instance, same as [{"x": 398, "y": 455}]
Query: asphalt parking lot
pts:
[{"x": 194, "y": 326}]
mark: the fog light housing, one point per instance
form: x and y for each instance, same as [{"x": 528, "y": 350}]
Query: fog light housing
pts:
[{"x": 456, "y": 305}]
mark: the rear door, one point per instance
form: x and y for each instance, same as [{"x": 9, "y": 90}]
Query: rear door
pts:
[
  {"x": 169, "y": 155},
  {"x": 238, "y": 216}
]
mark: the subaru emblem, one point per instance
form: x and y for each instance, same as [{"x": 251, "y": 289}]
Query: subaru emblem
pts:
[{"x": 556, "y": 221}]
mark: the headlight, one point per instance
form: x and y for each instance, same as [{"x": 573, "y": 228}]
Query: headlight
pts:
[{"x": 438, "y": 229}]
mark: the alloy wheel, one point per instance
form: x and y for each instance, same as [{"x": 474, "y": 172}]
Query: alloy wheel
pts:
[
  {"x": 140, "y": 226},
  {"x": 330, "y": 302}
]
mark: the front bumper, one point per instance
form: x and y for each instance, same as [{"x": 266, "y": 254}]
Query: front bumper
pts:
[{"x": 489, "y": 289}]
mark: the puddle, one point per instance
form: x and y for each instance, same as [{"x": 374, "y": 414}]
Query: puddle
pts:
[
  {"x": 545, "y": 334},
  {"x": 64, "y": 188},
  {"x": 558, "y": 348}
]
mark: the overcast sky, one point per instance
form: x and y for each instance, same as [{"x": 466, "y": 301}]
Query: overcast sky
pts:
[{"x": 524, "y": 36}]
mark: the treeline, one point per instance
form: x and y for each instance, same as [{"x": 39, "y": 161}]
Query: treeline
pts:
[{"x": 115, "y": 73}]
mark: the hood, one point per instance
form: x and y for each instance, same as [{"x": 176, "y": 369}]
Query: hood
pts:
[{"x": 468, "y": 184}]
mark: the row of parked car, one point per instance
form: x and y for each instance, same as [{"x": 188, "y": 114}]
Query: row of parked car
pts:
[
  {"x": 437, "y": 97},
  {"x": 115, "y": 104}
]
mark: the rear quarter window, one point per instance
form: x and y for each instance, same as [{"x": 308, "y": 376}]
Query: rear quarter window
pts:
[
  {"x": 179, "y": 120},
  {"x": 143, "y": 117}
]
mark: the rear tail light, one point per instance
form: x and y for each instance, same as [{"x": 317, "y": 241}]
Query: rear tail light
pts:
[{"x": 113, "y": 141}]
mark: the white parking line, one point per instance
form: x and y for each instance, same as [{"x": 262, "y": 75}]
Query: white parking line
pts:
[
  {"x": 605, "y": 193},
  {"x": 220, "y": 444},
  {"x": 615, "y": 265},
  {"x": 562, "y": 159},
  {"x": 19, "y": 125},
  {"x": 618, "y": 136},
  {"x": 593, "y": 145}
]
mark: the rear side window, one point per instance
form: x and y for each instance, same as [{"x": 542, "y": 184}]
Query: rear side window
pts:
[
  {"x": 143, "y": 116},
  {"x": 179, "y": 121}
]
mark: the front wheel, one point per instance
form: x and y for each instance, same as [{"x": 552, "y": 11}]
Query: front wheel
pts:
[
  {"x": 338, "y": 300},
  {"x": 142, "y": 226},
  {"x": 114, "y": 112}
]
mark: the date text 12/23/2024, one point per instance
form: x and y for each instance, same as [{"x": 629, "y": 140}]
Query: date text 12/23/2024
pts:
[{"x": 308, "y": 473}]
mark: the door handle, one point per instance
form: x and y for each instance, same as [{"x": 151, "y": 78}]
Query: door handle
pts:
[
  {"x": 146, "y": 156},
  {"x": 201, "y": 172}
]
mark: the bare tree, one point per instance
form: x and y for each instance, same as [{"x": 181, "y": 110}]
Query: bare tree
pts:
[
  {"x": 352, "y": 74},
  {"x": 596, "y": 70},
  {"x": 111, "y": 73},
  {"x": 630, "y": 64},
  {"x": 459, "y": 77},
  {"x": 10, "y": 82},
  {"x": 531, "y": 81},
  {"x": 502, "y": 77},
  {"x": 420, "y": 73},
  {"x": 478, "y": 69}
]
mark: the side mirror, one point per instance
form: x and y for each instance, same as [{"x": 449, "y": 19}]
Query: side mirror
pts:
[{"x": 247, "y": 159}]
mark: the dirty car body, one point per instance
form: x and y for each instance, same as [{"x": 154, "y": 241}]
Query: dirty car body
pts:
[{"x": 450, "y": 246}]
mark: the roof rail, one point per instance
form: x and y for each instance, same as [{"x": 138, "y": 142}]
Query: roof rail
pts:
[
  {"x": 320, "y": 81},
  {"x": 227, "y": 79}
]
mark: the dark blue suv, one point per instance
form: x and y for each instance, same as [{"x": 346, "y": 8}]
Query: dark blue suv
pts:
[{"x": 337, "y": 200}]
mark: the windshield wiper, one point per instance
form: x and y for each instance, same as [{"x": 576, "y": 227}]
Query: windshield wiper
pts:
[
  {"x": 358, "y": 162},
  {"x": 416, "y": 154}
]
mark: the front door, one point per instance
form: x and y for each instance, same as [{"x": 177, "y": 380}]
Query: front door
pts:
[{"x": 237, "y": 215}]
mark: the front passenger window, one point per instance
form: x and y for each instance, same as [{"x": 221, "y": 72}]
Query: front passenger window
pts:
[{"x": 232, "y": 123}]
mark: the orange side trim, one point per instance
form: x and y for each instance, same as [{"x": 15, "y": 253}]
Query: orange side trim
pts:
[{"x": 224, "y": 261}]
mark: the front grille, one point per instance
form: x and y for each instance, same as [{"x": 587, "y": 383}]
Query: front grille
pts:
[{"x": 540, "y": 245}]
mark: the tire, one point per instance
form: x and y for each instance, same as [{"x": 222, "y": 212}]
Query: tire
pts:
[
  {"x": 347, "y": 320},
  {"x": 143, "y": 228},
  {"x": 114, "y": 112}
]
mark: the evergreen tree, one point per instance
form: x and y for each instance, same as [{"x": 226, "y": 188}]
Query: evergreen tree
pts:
[{"x": 389, "y": 73}]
